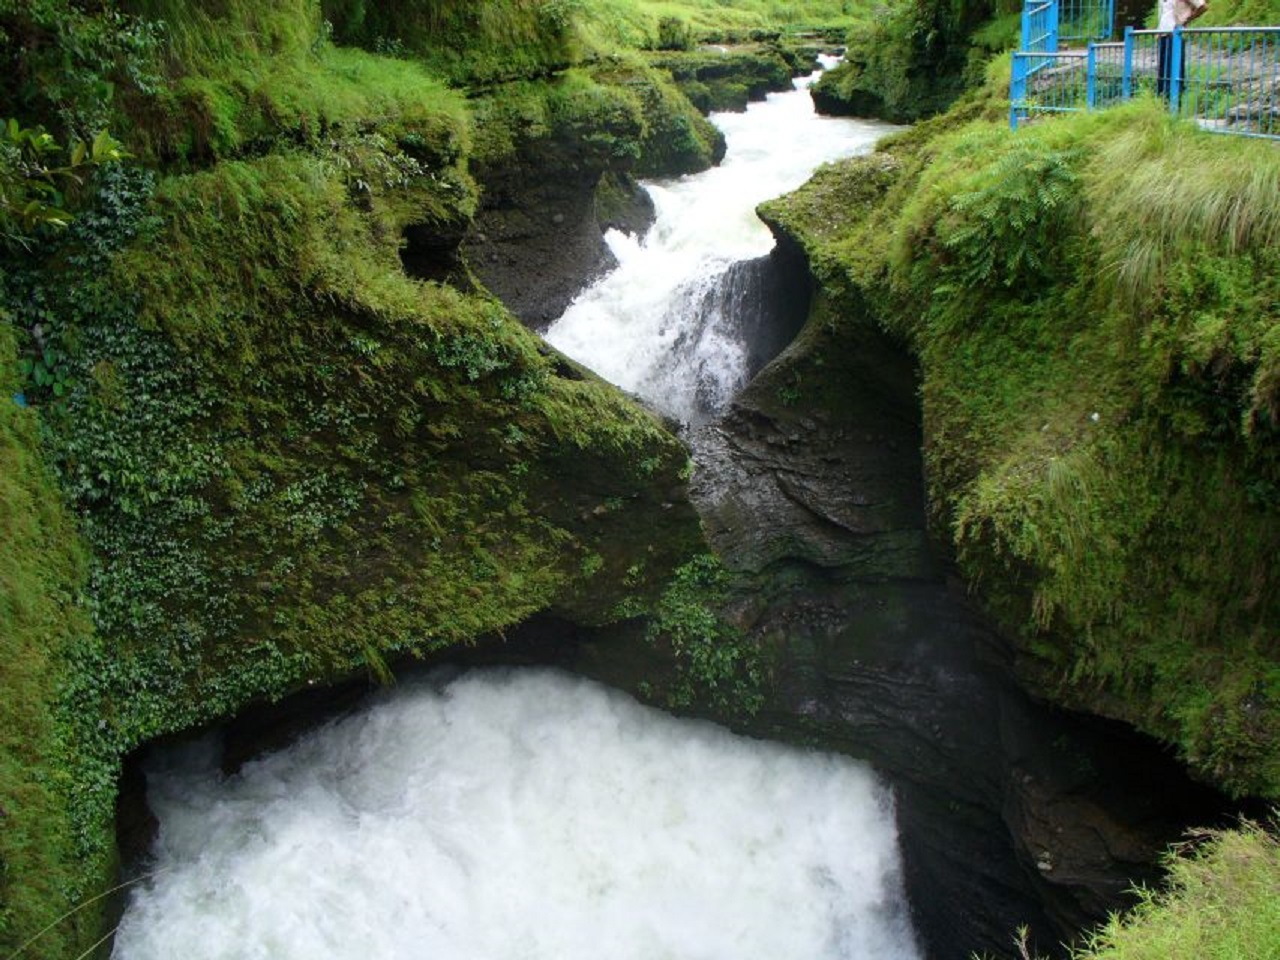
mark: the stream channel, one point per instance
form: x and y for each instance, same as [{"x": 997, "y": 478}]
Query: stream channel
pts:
[{"x": 525, "y": 812}]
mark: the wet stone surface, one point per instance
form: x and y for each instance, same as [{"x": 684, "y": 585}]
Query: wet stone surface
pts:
[{"x": 1010, "y": 812}]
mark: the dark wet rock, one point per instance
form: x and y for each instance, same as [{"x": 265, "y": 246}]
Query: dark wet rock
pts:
[
  {"x": 536, "y": 241},
  {"x": 622, "y": 204},
  {"x": 1011, "y": 813}
]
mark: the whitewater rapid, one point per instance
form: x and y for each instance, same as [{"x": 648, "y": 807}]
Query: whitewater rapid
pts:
[
  {"x": 519, "y": 814},
  {"x": 645, "y": 326}
]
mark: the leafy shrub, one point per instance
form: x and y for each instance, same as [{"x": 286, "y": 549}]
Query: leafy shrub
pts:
[
  {"x": 674, "y": 34},
  {"x": 714, "y": 660}
]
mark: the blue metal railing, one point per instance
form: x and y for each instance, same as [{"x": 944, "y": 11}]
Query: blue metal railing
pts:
[
  {"x": 1040, "y": 26},
  {"x": 1086, "y": 19},
  {"x": 1227, "y": 79},
  {"x": 1039, "y": 43},
  {"x": 1048, "y": 83}
]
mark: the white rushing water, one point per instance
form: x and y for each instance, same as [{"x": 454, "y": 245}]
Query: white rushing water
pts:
[
  {"x": 639, "y": 326},
  {"x": 520, "y": 814}
]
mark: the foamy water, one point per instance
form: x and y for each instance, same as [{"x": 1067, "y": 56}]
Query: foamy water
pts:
[
  {"x": 520, "y": 814},
  {"x": 636, "y": 326}
]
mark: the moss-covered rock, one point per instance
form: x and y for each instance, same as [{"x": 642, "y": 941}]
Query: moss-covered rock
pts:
[
  {"x": 912, "y": 62},
  {"x": 42, "y": 581},
  {"x": 1093, "y": 306},
  {"x": 723, "y": 78}
]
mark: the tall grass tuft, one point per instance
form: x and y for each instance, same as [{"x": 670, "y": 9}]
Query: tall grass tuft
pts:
[
  {"x": 1222, "y": 902},
  {"x": 1163, "y": 190}
]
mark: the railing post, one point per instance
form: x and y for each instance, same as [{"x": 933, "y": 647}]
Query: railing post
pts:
[
  {"x": 1110, "y": 23},
  {"x": 1051, "y": 44},
  {"x": 1026, "y": 24},
  {"x": 1175, "y": 69},
  {"x": 1091, "y": 77},
  {"x": 1017, "y": 89},
  {"x": 1126, "y": 78}
]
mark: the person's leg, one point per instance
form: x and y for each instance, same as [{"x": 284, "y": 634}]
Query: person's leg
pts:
[{"x": 1164, "y": 58}]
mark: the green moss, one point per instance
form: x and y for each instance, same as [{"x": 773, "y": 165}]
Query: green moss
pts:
[
  {"x": 713, "y": 661},
  {"x": 589, "y": 122},
  {"x": 1093, "y": 303},
  {"x": 242, "y": 75},
  {"x": 463, "y": 41},
  {"x": 676, "y": 138},
  {"x": 912, "y": 60},
  {"x": 726, "y": 79},
  {"x": 290, "y": 463},
  {"x": 42, "y": 578}
]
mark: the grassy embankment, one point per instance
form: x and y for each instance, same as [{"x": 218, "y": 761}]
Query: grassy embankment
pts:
[
  {"x": 1093, "y": 303},
  {"x": 1095, "y": 309},
  {"x": 1219, "y": 903}
]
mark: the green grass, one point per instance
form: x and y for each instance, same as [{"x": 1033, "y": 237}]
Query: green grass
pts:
[
  {"x": 1219, "y": 903},
  {"x": 483, "y": 43},
  {"x": 239, "y": 75},
  {"x": 462, "y": 41},
  {"x": 1255, "y": 13}
]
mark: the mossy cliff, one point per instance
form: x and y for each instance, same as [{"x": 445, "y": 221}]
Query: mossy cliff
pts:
[
  {"x": 915, "y": 57},
  {"x": 1093, "y": 306},
  {"x": 557, "y": 160},
  {"x": 257, "y": 453}
]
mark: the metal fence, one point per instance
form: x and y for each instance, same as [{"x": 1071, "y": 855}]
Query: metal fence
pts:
[
  {"x": 1048, "y": 83},
  {"x": 1086, "y": 19},
  {"x": 1227, "y": 79},
  {"x": 1040, "y": 26}
]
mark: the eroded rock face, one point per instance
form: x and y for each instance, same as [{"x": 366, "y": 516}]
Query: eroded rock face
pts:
[
  {"x": 537, "y": 241},
  {"x": 1010, "y": 813}
]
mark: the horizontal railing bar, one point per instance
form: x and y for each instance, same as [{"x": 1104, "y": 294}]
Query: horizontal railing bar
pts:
[{"x": 1200, "y": 30}]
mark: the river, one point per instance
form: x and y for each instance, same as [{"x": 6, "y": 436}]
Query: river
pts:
[{"x": 665, "y": 324}]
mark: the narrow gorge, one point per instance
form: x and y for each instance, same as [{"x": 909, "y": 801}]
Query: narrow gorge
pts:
[
  {"x": 808, "y": 482},
  {"x": 514, "y": 480}
]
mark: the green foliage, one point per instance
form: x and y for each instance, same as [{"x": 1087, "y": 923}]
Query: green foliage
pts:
[
  {"x": 1003, "y": 225},
  {"x": 911, "y": 59},
  {"x": 1219, "y": 904},
  {"x": 676, "y": 138},
  {"x": 467, "y": 42},
  {"x": 714, "y": 660},
  {"x": 240, "y": 75},
  {"x": 674, "y": 34},
  {"x": 626, "y": 115},
  {"x": 1173, "y": 194},
  {"x": 1243, "y": 12},
  {"x": 1093, "y": 303},
  {"x": 34, "y": 186},
  {"x": 65, "y": 64},
  {"x": 727, "y": 80},
  {"x": 42, "y": 578}
]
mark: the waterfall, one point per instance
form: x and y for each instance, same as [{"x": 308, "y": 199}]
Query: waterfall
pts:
[
  {"x": 677, "y": 321},
  {"x": 524, "y": 814}
]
